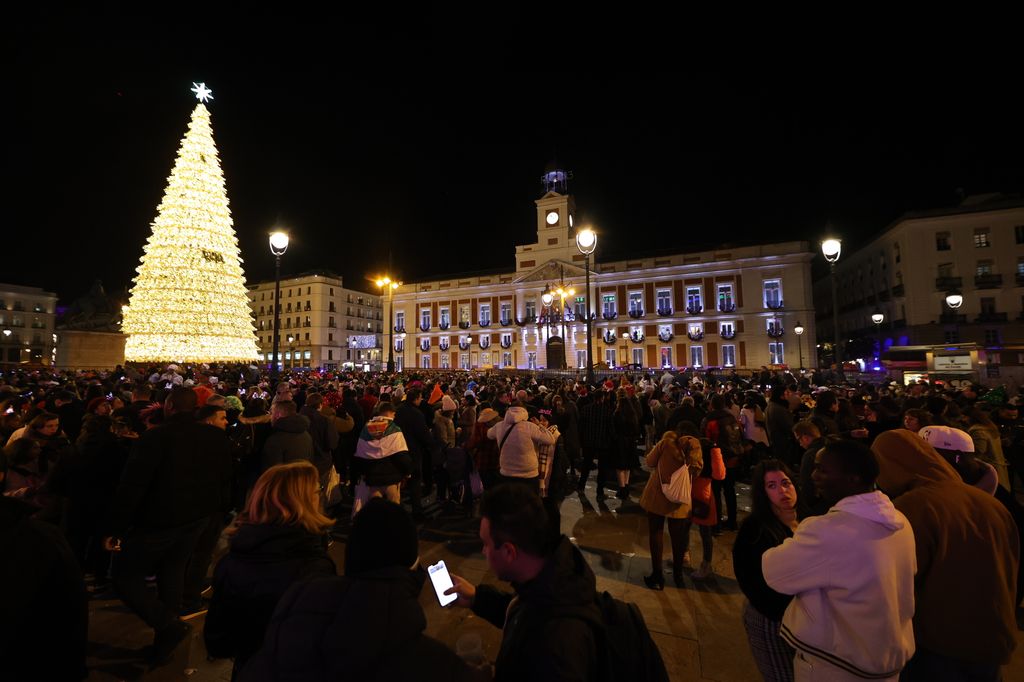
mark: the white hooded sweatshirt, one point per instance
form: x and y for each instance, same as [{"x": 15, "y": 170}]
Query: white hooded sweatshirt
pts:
[
  {"x": 852, "y": 572},
  {"x": 518, "y": 456}
]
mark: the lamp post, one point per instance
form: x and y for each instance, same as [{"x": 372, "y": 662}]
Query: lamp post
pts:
[
  {"x": 831, "y": 248},
  {"x": 386, "y": 284},
  {"x": 799, "y": 331},
  {"x": 586, "y": 242},
  {"x": 278, "y": 245},
  {"x": 548, "y": 298},
  {"x": 877, "y": 318},
  {"x": 954, "y": 299},
  {"x": 291, "y": 351}
]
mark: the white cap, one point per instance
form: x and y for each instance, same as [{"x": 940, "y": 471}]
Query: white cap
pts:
[{"x": 947, "y": 438}]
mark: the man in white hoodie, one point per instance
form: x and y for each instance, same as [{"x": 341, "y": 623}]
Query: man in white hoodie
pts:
[
  {"x": 852, "y": 573},
  {"x": 518, "y": 439}
]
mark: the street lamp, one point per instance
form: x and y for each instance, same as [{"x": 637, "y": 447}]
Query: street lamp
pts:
[
  {"x": 278, "y": 245},
  {"x": 563, "y": 292},
  {"x": 291, "y": 350},
  {"x": 877, "y": 318},
  {"x": 831, "y": 248},
  {"x": 799, "y": 331},
  {"x": 386, "y": 284},
  {"x": 954, "y": 299},
  {"x": 586, "y": 242}
]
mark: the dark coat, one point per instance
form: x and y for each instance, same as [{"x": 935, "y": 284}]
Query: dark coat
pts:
[
  {"x": 418, "y": 437},
  {"x": 290, "y": 442},
  {"x": 44, "y": 613},
  {"x": 751, "y": 543},
  {"x": 325, "y": 437},
  {"x": 176, "y": 474},
  {"x": 367, "y": 628},
  {"x": 549, "y": 634},
  {"x": 263, "y": 562}
]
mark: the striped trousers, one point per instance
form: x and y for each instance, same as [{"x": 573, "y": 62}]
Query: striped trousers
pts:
[{"x": 773, "y": 656}]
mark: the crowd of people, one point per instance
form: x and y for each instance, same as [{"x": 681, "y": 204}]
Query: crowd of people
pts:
[{"x": 873, "y": 506}]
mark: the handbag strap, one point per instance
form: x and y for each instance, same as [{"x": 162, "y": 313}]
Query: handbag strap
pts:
[{"x": 505, "y": 437}]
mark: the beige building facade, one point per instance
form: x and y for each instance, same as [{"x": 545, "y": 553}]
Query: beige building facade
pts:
[
  {"x": 323, "y": 324},
  {"x": 727, "y": 308},
  {"x": 27, "y": 319}
]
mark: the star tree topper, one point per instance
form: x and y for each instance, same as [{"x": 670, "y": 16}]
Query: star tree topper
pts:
[{"x": 203, "y": 94}]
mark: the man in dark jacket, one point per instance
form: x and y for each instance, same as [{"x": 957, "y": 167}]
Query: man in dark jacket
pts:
[
  {"x": 44, "y": 613},
  {"x": 548, "y": 622},
  {"x": 366, "y": 626},
  {"x": 779, "y": 424},
  {"x": 291, "y": 440},
  {"x": 177, "y": 476},
  {"x": 323, "y": 432},
  {"x": 420, "y": 441}
]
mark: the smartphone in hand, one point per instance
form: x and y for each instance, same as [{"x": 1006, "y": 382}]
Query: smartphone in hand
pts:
[{"x": 441, "y": 580}]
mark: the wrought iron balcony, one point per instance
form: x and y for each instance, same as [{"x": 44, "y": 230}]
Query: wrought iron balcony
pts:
[
  {"x": 609, "y": 338},
  {"x": 444, "y": 345},
  {"x": 728, "y": 334},
  {"x": 636, "y": 313},
  {"x": 485, "y": 324},
  {"x": 444, "y": 325},
  {"x": 484, "y": 341},
  {"x": 948, "y": 283},
  {"x": 694, "y": 309},
  {"x": 952, "y": 318},
  {"x": 464, "y": 345},
  {"x": 776, "y": 332},
  {"x": 985, "y": 318},
  {"x": 636, "y": 337},
  {"x": 425, "y": 345},
  {"x": 665, "y": 337},
  {"x": 665, "y": 312},
  {"x": 465, "y": 325},
  {"x": 989, "y": 281},
  {"x": 506, "y": 345},
  {"x": 774, "y": 305},
  {"x": 726, "y": 307},
  {"x": 400, "y": 330},
  {"x": 609, "y": 316},
  {"x": 506, "y": 322},
  {"x": 695, "y": 337}
]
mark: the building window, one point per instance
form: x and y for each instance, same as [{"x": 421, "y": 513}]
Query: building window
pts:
[
  {"x": 693, "y": 298},
  {"x": 485, "y": 359},
  {"x": 896, "y": 252},
  {"x": 664, "y": 299},
  {"x": 1020, "y": 267},
  {"x": 506, "y": 314},
  {"x": 945, "y": 270},
  {"x": 445, "y": 361},
  {"x": 638, "y": 357},
  {"x": 531, "y": 309},
  {"x": 330, "y": 322},
  {"x": 1018, "y": 234},
  {"x": 531, "y": 360},
  {"x": 464, "y": 315},
  {"x": 581, "y": 308},
  {"x": 992, "y": 339},
  {"x": 608, "y": 306},
  {"x": 425, "y": 317},
  {"x": 609, "y": 357},
  {"x": 952, "y": 336},
  {"x": 332, "y": 308},
  {"x": 988, "y": 305},
  {"x": 772, "y": 293},
  {"x": 725, "y": 301},
  {"x": 399, "y": 345},
  {"x": 330, "y": 338},
  {"x": 696, "y": 356},
  {"x": 776, "y": 353},
  {"x": 942, "y": 241},
  {"x": 729, "y": 356},
  {"x": 984, "y": 268},
  {"x": 727, "y": 329},
  {"x": 774, "y": 325},
  {"x": 506, "y": 359},
  {"x": 425, "y": 361},
  {"x": 485, "y": 313},
  {"x": 446, "y": 317},
  {"x": 581, "y": 359},
  {"x": 506, "y": 339},
  {"x": 666, "y": 356},
  {"x": 400, "y": 320},
  {"x": 981, "y": 238},
  {"x": 636, "y": 303},
  {"x": 330, "y": 354}
]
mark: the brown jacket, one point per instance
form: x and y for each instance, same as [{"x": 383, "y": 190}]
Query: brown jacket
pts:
[
  {"x": 967, "y": 553},
  {"x": 671, "y": 452}
]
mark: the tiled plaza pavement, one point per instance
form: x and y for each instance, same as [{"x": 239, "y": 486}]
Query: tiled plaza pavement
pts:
[{"x": 698, "y": 628}]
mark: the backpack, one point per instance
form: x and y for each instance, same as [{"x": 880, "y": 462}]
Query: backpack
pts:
[{"x": 629, "y": 650}]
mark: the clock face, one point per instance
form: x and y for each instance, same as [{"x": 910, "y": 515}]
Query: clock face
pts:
[{"x": 552, "y": 217}]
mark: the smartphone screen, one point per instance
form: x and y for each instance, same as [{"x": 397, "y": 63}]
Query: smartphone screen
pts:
[{"x": 441, "y": 581}]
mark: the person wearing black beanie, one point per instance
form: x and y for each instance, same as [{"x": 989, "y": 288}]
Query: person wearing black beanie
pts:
[{"x": 383, "y": 535}]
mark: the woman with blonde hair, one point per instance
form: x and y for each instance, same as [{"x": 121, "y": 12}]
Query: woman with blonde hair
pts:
[
  {"x": 278, "y": 540},
  {"x": 672, "y": 452}
]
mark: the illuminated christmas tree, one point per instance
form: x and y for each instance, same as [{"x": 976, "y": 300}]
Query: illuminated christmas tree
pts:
[{"x": 189, "y": 302}]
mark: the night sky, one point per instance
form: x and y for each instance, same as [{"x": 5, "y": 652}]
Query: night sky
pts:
[{"x": 364, "y": 140}]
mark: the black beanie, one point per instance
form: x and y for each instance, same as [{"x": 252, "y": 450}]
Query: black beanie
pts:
[{"x": 383, "y": 535}]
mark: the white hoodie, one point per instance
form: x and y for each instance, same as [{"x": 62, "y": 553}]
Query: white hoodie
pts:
[
  {"x": 852, "y": 571},
  {"x": 518, "y": 456}
]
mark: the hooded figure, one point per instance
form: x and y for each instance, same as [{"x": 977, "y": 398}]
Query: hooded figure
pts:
[
  {"x": 967, "y": 555},
  {"x": 517, "y": 454}
]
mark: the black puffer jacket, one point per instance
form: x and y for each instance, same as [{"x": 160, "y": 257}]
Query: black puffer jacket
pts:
[
  {"x": 549, "y": 633},
  {"x": 367, "y": 628},
  {"x": 263, "y": 562}
]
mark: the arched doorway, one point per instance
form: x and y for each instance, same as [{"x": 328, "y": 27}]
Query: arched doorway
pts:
[{"x": 556, "y": 353}]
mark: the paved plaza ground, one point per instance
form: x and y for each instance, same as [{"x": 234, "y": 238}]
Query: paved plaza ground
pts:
[{"x": 698, "y": 628}]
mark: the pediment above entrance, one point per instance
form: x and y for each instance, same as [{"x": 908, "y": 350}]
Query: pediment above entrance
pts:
[{"x": 551, "y": 271}]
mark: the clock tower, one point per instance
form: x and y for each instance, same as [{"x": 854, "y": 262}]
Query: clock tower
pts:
[{"x": 556, "y": 216}]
